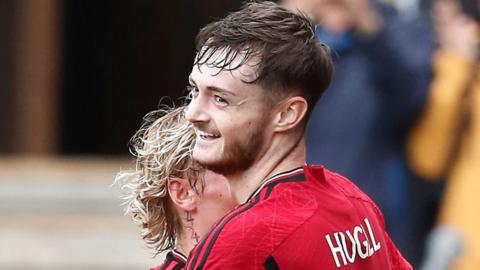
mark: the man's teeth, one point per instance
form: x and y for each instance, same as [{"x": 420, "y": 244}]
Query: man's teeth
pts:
[{"x": 207, "y": 135}]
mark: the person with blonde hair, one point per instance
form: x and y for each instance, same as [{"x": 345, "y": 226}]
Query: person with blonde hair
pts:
[{"x": 171, "y": 197}]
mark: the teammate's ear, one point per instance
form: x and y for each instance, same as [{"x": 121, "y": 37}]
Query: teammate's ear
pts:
[
  {"x": 291, "y": 113},
  {"x": 182, "y": 194}
]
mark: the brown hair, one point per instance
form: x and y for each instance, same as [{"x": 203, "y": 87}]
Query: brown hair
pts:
[
  {"x": 162, "y": 148},
  {"x": 291, "y": 58}
]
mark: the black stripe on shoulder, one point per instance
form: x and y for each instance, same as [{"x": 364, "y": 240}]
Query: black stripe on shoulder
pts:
[
  {"x": 271, "y": 264},
  {"x": 173, "y": 258},
  {"x": 217, "y": 233},
  {"x": 278, "y": 175},
  {"x": 179, "y": 266},
  {"x": 295, "y": 178}
]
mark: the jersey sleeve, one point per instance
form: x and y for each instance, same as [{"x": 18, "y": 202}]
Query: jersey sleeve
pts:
[{"x": 398, "y": 261}]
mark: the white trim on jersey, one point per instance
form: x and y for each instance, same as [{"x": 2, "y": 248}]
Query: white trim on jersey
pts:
[
  {"x": 178, "y": 254},
  {"x": 269, "y": 180}
]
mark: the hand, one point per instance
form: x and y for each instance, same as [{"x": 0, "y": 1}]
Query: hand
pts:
[
  {"x": 366, "y": 20},
  {"x": 342, "y": 15},
  {"x": 455, "y": 32}
]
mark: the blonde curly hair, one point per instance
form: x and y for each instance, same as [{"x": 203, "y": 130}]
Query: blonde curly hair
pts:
[{"x": 162, "y": 149}]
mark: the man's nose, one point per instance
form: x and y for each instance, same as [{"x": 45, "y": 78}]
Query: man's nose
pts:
[{"x": 196, "y": 110}]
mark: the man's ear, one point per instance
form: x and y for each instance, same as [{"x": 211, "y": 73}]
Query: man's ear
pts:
[
  {"x": 291, "y": 113},
  {"x": 182, "y": 194}
]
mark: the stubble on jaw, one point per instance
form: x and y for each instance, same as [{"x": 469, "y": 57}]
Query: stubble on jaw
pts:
[{"x": 240, "y": 154}]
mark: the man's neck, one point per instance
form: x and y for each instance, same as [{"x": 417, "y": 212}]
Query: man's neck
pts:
[
  {"x": 185, "y": 244},
  {"x": 278, "y": 158},
  {"x": 188, "y": 238}
]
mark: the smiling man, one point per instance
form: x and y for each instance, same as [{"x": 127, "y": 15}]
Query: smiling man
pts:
[{"x": 257, "y": 76}]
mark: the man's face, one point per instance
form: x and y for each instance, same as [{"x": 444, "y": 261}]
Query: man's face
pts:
[{"x": 231, "y": 117}]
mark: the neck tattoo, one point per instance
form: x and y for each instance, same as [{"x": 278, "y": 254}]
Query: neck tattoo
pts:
[{"x": 189, "y": 219}]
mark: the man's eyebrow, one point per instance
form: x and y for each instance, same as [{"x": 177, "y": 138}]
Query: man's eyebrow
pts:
[
  {"x": 220, "y": 90},
  {"x": 212, "y": 88}
]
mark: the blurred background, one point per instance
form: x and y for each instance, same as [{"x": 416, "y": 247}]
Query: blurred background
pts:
[{"x": 77, "y": 76}]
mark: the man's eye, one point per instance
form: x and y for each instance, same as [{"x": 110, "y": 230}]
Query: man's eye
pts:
[
  {"x": 192, "y": 91},
  {"x": 220, "y": 100}
]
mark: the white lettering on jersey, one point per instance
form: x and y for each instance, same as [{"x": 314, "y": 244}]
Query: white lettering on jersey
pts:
[{"x": 362, "y": 242}]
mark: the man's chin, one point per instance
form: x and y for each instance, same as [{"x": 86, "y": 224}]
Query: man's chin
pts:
[
  {"x": 204, "y": 158},
  {"x": 210, "y": 163}
]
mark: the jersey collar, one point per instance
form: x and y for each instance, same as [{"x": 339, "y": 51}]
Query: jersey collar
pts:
[
  {"x": 178, "y": 255},
  {"x": 273, "y": 178}
]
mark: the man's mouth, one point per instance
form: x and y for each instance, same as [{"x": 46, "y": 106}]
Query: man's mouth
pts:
[{"x": 208, "y": 136}]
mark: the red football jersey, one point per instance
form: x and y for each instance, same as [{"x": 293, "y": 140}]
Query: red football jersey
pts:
[
  {"x": 173, "y": 261},
  {"x": 307, "y": 218}
]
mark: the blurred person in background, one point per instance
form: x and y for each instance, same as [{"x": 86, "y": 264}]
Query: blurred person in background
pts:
[
  {"x": 379, "y": 87},
  {"x": 171, "y": 197},
  {"x": 445, "y": 143}
]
